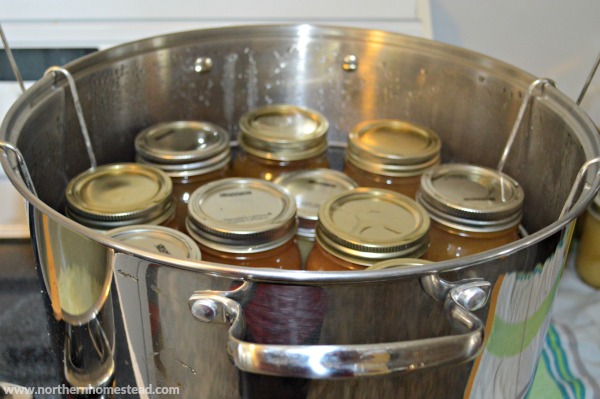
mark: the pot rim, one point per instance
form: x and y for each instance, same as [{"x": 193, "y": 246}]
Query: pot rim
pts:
[{"x": 561, "y": 104}]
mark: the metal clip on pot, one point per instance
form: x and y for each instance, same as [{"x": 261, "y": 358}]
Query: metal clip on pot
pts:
[
  {"x": 74, "y": 94},
  {"x": 21, "y": 166},
  {"x": 78, "y": 110},
  {"x": 516, "y": 126},
  {"x": 577, "y": 184},
  {"x": 8, "y": 147},
  {"x": 347, "y": 361}
]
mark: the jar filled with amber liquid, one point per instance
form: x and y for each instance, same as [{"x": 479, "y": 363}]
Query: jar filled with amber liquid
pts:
[
  {"x": 359, "y": 228},
  {"x": 276, "y": 139},
  {"x": 310, "y": 189},
  {"x": 391, "y": 154},
  {"x": 117, "y": 195},
  {"x": 245, "y": 222},
  {"x": 191, "y": 153},
  {"x": 587, "y": 262},
  {"x": 472, "y": 209}
]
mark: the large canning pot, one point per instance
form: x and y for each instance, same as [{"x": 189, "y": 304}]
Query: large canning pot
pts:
[{"x": 470, "y": 327}]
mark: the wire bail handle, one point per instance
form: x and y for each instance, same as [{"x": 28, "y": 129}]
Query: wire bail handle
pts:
[
  {"x": 78, "y": 110},
  {"x": 524, "y": 105}
]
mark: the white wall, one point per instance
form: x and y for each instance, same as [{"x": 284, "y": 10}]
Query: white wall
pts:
[{"x": 557, "y": 39}]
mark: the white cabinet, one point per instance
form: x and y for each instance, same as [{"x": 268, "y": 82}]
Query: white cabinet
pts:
[{"x": 105, "y": 23}]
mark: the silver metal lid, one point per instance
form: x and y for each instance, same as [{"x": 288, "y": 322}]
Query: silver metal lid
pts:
[
  {"x": 116, "y": 195},
  {"x": 393, "y": 148},
  {"x": 367, "y": 225},
  {"x": 310, "y": 189},
  {"x": 184, "y": 148},
  {"x": 283, "y": 132},
  {"x": 241, "y": 215},
  {"x": 471, "y": 198},
  {"x": 158, "y": 239}
]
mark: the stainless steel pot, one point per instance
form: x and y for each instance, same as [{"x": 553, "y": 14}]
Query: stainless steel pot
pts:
[{"x": 218, "y": 331}]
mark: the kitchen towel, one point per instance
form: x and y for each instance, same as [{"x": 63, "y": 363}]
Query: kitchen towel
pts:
[{"x": 570, "y": 363}]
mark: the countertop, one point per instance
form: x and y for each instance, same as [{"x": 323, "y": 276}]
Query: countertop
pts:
[{"x": 26, "y": 355}]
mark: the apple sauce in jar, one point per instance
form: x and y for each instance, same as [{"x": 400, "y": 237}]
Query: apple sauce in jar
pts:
[
  {"x": 123, "y": 194},
  {"x": 191, "y": 153},
  {"x": 472, "y": 209},
  {"x": 359, "y": 228},
  {"x": 310, "y": 189},
  {"x": 391, "y": 154},
  {"x": 587, "y": 262},
  {"x": 245, "y": 222},
  {"x": 280, "y": 138}
]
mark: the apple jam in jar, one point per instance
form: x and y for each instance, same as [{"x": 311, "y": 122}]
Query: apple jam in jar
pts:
[
  {"x": 587, "y": 262},
  {"x": 310, "y": 189},
  {"x": 158, "y": 239},
  {"x": 191, "y": 153},
  {"x": 391, "y": 154},
  {"x": 280, "y": 138},
  {"x": 472, "y": 209},
  {"x": 117, "y": 195},
  {"x": 359, "y": 228},
  {"x": 245, "y": 222}
]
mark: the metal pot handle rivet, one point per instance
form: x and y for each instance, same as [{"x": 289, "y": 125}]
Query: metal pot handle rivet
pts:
[
  {"x": 350, "y": 63},
  {"x": 203, "y": 65}
]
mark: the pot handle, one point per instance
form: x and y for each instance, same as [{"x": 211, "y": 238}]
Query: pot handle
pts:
[
  {"x": 21, "y": 166},
  {"x": 347, "y": 361}
]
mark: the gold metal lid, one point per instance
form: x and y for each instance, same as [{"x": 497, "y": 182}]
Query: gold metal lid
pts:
[
  {"x": 116, "y": 195},
  {"x": 241, "y": 215},
  {"x": 283, "y": 132},
  {"x": 367, "y": 225},
  {"x": 159, "y": 239},
  {"x": 184, "y": 148},
  {"x": 471, "y": 198},
  {"x": 393, "y": 148},
  {"x": 310, "y": 189}
]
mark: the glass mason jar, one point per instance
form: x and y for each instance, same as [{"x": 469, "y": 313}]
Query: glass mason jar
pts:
[
  {"x": 391, "y": 154},
  {"x": 310, "y": 189},
  {"x": 280, "y": 138},
  {"x": 359, "y": 228},
  {"x": 245, "y": 222},
  {"x": 123, "y": 194},
  {"x": 587, "y": 262},
  {"x": 191, "y": 153},
  {"x": 472, "y": 209},
  {"x": 158, "y": 239}
]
